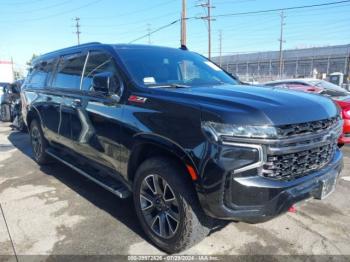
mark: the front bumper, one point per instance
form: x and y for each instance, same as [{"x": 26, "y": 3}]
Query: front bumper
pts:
[{"x": 257, "y": 199}]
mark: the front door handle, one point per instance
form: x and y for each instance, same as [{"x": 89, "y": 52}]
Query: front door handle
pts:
[{"x": 76, "y": 103}]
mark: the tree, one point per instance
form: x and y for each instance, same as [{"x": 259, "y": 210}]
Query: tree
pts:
[
  {"x": 18, "y": 74},
  {"x": 29, "y": 63}
]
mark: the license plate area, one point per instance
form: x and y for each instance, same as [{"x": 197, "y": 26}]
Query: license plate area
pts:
[{"x": 327, "y": 185}]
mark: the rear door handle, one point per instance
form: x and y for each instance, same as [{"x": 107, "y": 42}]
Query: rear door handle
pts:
[{"x": 76, "y": 103}]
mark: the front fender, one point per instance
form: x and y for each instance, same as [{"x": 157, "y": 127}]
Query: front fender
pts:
[{"x": 166, "y": 144}]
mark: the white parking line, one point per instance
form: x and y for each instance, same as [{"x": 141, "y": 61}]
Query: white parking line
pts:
[{"x": 346, "y": 178}]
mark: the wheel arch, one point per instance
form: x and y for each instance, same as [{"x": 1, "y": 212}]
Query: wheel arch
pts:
[
  {"x": 32, "y": 114},
  {"x": 151, "y": 145}
]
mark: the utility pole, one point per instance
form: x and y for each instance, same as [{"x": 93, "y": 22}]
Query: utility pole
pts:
[
  {"x": 12, "y": 68},
  {"x": 220, "y": 47},
  {"x": 77, "y": 25},
  {"x": 208, "y": 6},
  {"x": 183, "y": 24},
  {"x": 281, "y": 40},
  {"x": 149, "y": 33}
]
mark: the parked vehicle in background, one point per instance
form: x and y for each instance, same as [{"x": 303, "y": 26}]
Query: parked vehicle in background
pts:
[
  {"x": 8, "y": 100},
  {"x": 16, "y": 109},
  {"x": 321, "y": 87},
  {"x": 179, "y": 134},
  {"x": 2, "y": 91},
  {"x": 5, "y": 104}
]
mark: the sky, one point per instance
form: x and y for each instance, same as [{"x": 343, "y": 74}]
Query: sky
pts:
[{"x": 38, "y": 26}]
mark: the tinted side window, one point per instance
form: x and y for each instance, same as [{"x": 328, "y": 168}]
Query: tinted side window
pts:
[
  {"x": 99, "y": 62},
  {"x": 39, "y": 75},
  {"x": 69, "y": 72}
]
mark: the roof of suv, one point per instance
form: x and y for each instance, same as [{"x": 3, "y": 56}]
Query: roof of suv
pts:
[{"x": 96, "y": 44}]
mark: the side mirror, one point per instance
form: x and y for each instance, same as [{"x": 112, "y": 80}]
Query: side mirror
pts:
[{"x": 101, "y": 82}]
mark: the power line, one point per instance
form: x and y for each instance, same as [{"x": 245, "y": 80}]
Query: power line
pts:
[
  {"x": 133, "y": 22},
  {"x": 23, "y": 2},
  {"x": 132, "y": 12},
  {"x": 233, "y": 2},
  {"x": 282, "y": 9},
  {"x": 57, "y": 14},
  {"x": 39, "y": 9},
  {"x": 243, "y": 13},
  {"x": 154, "y": 31}
]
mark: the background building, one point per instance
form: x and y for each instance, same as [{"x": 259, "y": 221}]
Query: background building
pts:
[
  {"x": 306, "y": 62},
  {"x": 6, "y": 72}
]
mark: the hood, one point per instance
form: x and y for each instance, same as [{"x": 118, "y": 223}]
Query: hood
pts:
[{"x": 253, "y": 105}]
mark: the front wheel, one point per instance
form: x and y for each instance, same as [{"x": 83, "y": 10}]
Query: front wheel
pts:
[{"x": 167, "y": 205}]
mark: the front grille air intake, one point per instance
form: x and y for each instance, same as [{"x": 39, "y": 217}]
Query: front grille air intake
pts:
[
  {"x": 292, "y": 166},
  {"x": 306, "y": 128}
]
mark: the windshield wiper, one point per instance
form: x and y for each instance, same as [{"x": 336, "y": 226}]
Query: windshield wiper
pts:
[{"x": 169, "y": 86}]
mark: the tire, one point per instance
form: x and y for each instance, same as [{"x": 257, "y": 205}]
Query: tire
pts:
[
  {"x": 176, "y": 202},
  {"x": 39, "y": 143},
  {"x": 21, "y": 125},
  {"x": 5, "y": 113}
]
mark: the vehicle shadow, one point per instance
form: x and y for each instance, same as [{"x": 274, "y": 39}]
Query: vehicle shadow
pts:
[{"x": 121, "y": 209}]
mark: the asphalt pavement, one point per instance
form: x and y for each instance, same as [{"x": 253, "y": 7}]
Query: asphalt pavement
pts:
[{"x": 52, "y": 210}]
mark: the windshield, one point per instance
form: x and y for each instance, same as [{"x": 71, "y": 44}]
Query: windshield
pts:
[
  {"x": 156, "y": 67},
  {"x": 330, "y": 89}
]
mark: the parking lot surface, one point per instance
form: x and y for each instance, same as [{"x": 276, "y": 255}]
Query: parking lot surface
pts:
[{"x": 54, "y": 210}]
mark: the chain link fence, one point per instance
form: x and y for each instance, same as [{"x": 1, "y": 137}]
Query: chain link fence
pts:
[{"x": 298, "y": 63}]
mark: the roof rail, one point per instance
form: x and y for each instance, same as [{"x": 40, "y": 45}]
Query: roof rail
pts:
[
  {"x": 89, "y": 43},
  {"x": 66, "y": 48}
]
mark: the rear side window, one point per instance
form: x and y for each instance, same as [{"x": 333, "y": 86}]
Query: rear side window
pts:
[
  {"x": 98, "y": 62},
  {"x": 39, "y": 75},
  {"x": 69, "y": 72}
]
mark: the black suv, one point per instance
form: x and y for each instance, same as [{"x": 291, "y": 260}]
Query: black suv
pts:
[{"x": 180, "y": 135}]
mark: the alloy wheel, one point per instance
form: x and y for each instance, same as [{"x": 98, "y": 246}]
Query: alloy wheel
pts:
[
  {"x": 159, "y": 206},
  {"x": 36, "y": 141}
]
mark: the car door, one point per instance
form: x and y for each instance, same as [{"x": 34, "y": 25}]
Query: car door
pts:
[
  {"x": 40, "y": 95},
  {"x": 66, "y": 84},
  {"x": 96, "y": 127}
]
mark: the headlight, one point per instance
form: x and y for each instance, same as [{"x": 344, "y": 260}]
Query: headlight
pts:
[{"x": 219, "y": 129}]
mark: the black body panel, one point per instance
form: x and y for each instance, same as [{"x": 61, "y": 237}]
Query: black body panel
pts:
[{"x": 112, "y": 132}]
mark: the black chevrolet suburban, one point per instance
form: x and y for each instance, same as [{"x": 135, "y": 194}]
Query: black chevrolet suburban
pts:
[{"x": 181, "y": 136}]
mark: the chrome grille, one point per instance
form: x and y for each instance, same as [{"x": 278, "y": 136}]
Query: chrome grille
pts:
[
  {"x": 305, "y": 128},
  {"x": 295, "y": 165}
]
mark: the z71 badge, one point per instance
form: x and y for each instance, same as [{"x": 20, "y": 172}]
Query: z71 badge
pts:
[{"x": 137, "y": 99}]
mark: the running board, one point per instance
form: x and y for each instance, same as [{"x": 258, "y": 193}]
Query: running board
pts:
[{"x": 110, "y": 184}]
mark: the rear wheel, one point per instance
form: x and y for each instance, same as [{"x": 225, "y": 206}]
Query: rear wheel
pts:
[
  {"x": 39, "y": 143},
  {"x": 167, "y": 205},
  {"x": 5, "y": 113}
]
